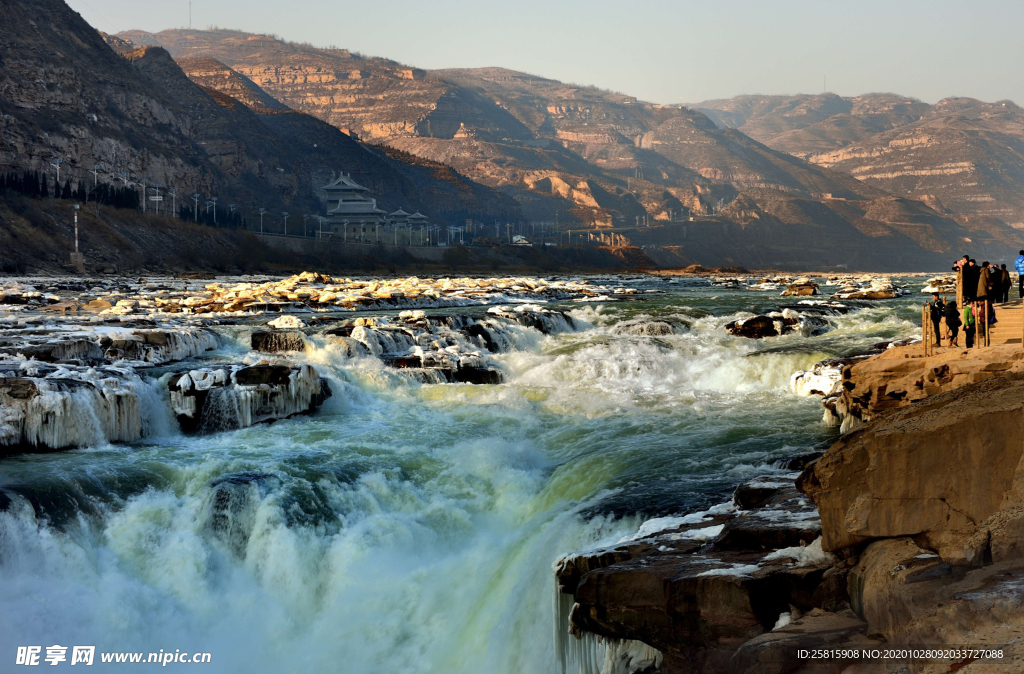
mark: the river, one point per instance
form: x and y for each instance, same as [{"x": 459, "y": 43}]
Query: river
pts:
[{"x": 408, "y": 527}]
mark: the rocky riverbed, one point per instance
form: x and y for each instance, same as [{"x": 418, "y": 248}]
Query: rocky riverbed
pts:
[{"x": 75, "y": 356}]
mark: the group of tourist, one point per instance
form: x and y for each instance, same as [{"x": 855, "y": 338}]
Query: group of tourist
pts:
[{"x": 978, "y": 289}]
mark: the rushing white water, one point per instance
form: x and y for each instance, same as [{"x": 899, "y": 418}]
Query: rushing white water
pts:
[{"x": 408, "y": 527}]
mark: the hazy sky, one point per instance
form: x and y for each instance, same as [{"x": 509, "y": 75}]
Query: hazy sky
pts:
[{"x": 667, "y": 52}]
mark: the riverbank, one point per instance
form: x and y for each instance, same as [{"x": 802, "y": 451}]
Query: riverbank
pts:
[{"x": 907, "y": 532}]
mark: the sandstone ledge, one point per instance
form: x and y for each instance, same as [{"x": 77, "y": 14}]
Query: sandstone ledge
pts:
[{"x": 901, "y": 376}]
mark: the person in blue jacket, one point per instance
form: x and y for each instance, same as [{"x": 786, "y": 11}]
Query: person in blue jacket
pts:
[{"x": 1019, "y": 266}]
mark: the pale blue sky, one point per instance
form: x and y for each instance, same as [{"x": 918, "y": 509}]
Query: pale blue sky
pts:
[{"x": 662, "y": 51}]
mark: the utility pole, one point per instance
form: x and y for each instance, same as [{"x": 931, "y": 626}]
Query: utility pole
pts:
[
  {"x": 144, "y": 182},
  {"x": 213, "y": 200},
  {"x": 195, "y": 198},
  {"x": 94, "y": 169},
  {"x": 174, "y": 201},
  {"x": 262, "y": 211},
  {"x": 56, "y": 164}
]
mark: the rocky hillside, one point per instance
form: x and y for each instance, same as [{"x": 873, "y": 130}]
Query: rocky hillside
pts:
[
  {"x": 805, "y": 125},
  {"x": 961, "y": 155},
  {"x": 64, "y": 92},
  {"x": 966, "y": 153},
  {"x": 555, "y": 146},
  {"x": 769, "y": 229}
]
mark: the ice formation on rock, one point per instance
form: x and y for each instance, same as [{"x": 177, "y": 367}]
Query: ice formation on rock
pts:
[
  {"x": 46, "y": 407},
  {"x": 218, "y": 399}
]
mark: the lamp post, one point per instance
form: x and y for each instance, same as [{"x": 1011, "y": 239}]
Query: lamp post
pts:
[
  {"x": 305, "y": 217},
  {"x": 262, "y": 211},
  {"x": 76, "y": 257},
  {"x": 285, "y": 214},
  {"x": 195, "y": 198}
]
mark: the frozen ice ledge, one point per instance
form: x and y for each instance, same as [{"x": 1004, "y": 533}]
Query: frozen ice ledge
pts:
[{"x": 45, "y": 407}]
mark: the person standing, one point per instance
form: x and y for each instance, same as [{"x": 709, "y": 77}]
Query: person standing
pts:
[
  {"x": 970, "y": 326},
  {"x": 1005, "y": 283},
  {"x": 970, "y": 278},
  {"x": 935, "y": 308},
  {"x": 984, "y": 282},
  {"x": 952, "y": 315},
  {"x": 1019, "y": 266}
]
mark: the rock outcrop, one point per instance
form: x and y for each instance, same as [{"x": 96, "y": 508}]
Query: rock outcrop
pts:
[
  {"x": 273, "y": 341},
  {"x": 446, "y": 348},
  {"x": 921, "y": 544},
  {"x": 940, "y": 471},
  {"x": 926, "y": 504},
  {"x": 775, "y": 323},
  {"x": 698, "y": 587},
  {"x": 227, "y": 398},
  {"x": 801, "y": 287}
]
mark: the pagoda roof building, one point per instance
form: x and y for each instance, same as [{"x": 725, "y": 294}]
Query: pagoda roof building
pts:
[{"x": 353, "y": 201}]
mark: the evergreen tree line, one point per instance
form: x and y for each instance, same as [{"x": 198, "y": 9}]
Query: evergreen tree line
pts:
[{"x": 37, "y": 185}]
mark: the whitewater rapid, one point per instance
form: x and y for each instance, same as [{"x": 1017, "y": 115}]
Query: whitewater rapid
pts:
[{"x": 410, "y": 527}]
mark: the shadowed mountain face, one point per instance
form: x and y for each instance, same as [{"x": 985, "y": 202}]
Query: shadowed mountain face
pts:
[
  {"x": 65, "y": 93},
  {"x": 960, "y": 154}
]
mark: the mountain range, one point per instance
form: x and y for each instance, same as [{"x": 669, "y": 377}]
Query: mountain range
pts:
[
  {"x": 758, "y": 181},
  {"x": 960, "y": 154}
]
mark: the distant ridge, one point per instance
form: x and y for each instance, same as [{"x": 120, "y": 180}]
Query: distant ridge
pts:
[{"x": 961, "y": 153}]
